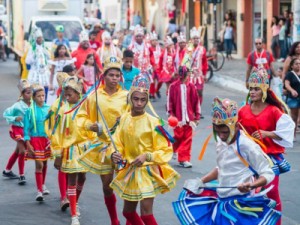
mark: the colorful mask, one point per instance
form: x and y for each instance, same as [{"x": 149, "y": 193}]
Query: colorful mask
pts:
[{"x": 224, "y": 112}]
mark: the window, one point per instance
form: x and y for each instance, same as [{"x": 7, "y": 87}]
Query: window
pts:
[{"x": 72, "y": 29}]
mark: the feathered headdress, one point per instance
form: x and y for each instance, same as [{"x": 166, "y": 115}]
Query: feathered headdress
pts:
[
  {"x": 83, "y": 36},
  {"x": 153, "y": 36},
  {"x": 138, "y": 30},
  {"x": 168, "y": 41},
  {"x": 181, "y": 37},
  {"x": 194, "y": 32}
]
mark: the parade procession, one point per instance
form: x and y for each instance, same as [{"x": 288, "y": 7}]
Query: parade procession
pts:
[{"x": 161, "y": 112}]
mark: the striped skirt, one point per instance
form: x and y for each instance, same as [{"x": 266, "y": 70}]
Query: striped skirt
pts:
[
  {"x": 238, "y": 210},
  {"x": 41, "y": 146}
]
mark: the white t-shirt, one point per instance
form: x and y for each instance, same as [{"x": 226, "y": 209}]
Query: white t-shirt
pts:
[{"x": 228, "y": 33}]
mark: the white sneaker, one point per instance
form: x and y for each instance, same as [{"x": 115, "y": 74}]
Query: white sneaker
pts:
[
  {"x": 75, "y": 221},
  {"x": 77, "y": 210},
  {"x": 175, "y": 156},
  {"x": 185, "y": 164},
  {"x": 39, "y": 197},
  {"x": 45, "y": 190}
]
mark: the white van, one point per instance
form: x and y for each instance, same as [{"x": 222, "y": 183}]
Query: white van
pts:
[{"x": 72, "y": 25}]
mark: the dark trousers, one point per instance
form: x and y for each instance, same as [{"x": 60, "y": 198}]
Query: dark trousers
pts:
[
  {"x": 282, "y": 45},
  {"x": 228, "y": 46}
]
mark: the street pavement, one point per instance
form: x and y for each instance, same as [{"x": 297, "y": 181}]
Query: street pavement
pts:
[{"x": 18, "y": 205}]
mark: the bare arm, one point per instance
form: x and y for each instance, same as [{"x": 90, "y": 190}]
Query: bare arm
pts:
[
  {"x": 286, "y": 66},
  {"x": 212, "y": 175}
]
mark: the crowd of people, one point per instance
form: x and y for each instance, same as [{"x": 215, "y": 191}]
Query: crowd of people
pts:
[
  {"x": 282, "y": 35},
  {"x": 86, "y": 109}
]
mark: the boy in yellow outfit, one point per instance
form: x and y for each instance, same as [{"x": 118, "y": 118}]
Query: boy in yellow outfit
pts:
[{"x": 112, "y": 101}]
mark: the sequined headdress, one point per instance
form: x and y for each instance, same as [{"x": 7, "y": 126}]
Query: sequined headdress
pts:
[
  {"x": 140, "y": 83},
  {"x": 168, "y": 41},
  {"x": 23, "y": 84},
  {"x": 83, "y": 36},
  {"x": 195, "y": 32},
  {"x": 74, "y": 83},
  {"x": 224, "y": 112},
  {"x": 153, "y": 36},
  {"x": 112, "y": 62},
  {"x": 181, "y": 38},
  {"x": 138, "y": 30},
  {"x": 259, "y": 78},
  {"x": 105, "y": 35}
]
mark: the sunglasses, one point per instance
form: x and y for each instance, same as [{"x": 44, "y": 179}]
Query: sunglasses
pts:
[{"x": 258, "y": 43}]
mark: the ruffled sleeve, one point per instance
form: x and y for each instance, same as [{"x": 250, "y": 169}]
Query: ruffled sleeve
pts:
[{"x": 285, "y": 130}]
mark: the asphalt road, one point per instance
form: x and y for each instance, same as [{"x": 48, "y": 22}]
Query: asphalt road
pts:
[{"x": 18, "y": 205}]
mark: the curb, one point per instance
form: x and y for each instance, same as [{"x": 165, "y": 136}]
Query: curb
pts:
[{"x": 229, "y": 83}]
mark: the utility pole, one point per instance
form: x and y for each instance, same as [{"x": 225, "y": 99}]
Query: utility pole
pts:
[{"x": 296, "y": 29}]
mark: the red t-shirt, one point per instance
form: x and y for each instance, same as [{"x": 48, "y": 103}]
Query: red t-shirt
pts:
[
  {"x": 95, "y": 45},
  {"x": 255, "y": 58},
  {"x": 266, "y": 120}
]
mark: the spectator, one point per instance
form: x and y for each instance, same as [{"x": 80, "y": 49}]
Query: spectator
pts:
[
  {"x": 259, "y": 56},
  {"x": 137, "y": 19},
  {"x": 282, "y": 40},
  {"x": 228, "y": 39},
  {"x": 172, "y": 27},
  {"x": 294, "y": 53},
  {"x": 275, "y": 35},
  {"x": 287, "y": 23},
  {"x": 292, "y": 84},
  {"x": 128, "y": 70},
  {"x": 128, "y": 37},
  {"x": 93, "y": 43},
  {"x": 291, "y": 31},
  {"x": 83, "y": 51},
  {"x": 61, "y": 40},
  {"x": 99, "y": 30}
]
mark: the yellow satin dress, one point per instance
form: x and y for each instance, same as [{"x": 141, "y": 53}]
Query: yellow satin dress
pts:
[{"x": 133, "y": 137}]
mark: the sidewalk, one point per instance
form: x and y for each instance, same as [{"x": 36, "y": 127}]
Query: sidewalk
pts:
[{"x": 232, "y": 75}]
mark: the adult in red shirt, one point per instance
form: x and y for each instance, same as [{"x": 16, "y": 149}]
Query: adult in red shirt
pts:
[
  {"x": 183, "y": 103},
  {"x": 259, "y": 56},
  {"x": 265, "y": 119},
  {"x": 93, "y": 43},
  {"x": 83, "y": 51}
]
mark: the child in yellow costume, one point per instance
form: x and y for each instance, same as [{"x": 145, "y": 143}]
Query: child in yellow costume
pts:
[
  {"x": 143, "y": 147},
  {"x": 50, "y": 127},
  {"x": 71, "y": 145},
  {"x": 112, "y": 101}
]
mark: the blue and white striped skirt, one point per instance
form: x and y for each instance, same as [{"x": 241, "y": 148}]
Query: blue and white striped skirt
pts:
[{"x": 237, "y": 210}]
